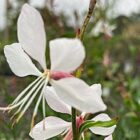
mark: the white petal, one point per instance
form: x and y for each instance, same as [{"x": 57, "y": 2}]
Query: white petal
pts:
[
  {"x": 97, "y": 89},
  {"x": 66, "y": 54},
  {"x": 109, "y": 138},
  {"x": 53, "y": 127},
  {"x": 78, "y": 94},
  {"x": 104, "y": 131},
  {"x": 55, "y": 102},
  {"x": 31, "y": 33},
  {"x": 19, "y": 61}
]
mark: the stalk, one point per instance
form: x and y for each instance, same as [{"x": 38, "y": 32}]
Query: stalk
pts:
[
  {"x": 74, "y": 127},
  {"x": 87, "y": 19},
  {"x": 80, "y": 35}
]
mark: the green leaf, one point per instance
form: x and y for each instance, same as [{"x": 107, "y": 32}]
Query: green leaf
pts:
[{"x": 87, "y": 124}]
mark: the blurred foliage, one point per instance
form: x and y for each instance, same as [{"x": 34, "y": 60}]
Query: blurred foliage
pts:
[{"x": 113, "y": 62}]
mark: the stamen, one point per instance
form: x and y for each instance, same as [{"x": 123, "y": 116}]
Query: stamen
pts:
[
  {"x": 43, "y": 106},
  {"x": 32, "y": 122},
  {"x": 36, "y": 110},
  {"x": 25, "y": 99},
  {"x": 43, "y": 101},
  {"x": 25, "y": 90},
  {"x": 83, "y": 137},
  {"x": 44, "y": 113},
  {"x": 28, "y": 104},
  {"x": 10, "y": 107},
  {"x": 22, "y": 99},
  {"x": 38, "y": 102}
]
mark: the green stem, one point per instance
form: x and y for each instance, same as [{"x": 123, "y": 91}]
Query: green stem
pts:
[
  {"x": 80, "y": 35},
  {"x": 87, "y": 19},
  {"x": 74, "y": 127}
]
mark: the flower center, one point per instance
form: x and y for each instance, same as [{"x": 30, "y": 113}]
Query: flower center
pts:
[
  {"x": 56, "y": 75},
  {"x": 46, "y": 73}
]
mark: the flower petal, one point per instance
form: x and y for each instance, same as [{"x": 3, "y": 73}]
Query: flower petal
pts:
[
  {"x": 78, "y": 94},
  {"x": 97, "y": 89},
  {"x": 66, "y": 54},
  {"x": 31, "y": 33},
  {"x": 109, "y": 138},
  {"x": 55, "y": 102},
  {"x": 104, "y": 131},
  {"x": 48, "y": 128},
  {"x": 19, "y": 61}
]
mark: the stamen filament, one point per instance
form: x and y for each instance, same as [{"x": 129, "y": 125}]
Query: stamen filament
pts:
[
  {"x": 36, "y": 109},
  {"x": 21, "y": 101},
  {"x": 38, "y": 102},
  {"x": 27, "y": 97},
  {"x": 28, "y": 104},
  {"x": 25, "y": 90},
  {"x": 43, "y": 107},
  {"x": 10, "y": 107},
  {"x": 83, "y": 137}
]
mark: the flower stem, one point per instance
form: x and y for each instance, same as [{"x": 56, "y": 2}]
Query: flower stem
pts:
[
  {"x": 80, "y": 35},
  {"x": 87, "y": 19},
  {"x": 74, "y": 127}
]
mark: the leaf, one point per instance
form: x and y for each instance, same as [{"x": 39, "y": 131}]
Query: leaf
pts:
[{"x": 87, "y": 124}]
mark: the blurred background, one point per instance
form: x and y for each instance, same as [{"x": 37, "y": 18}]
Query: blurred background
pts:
[{"x": 112, "y": 43}]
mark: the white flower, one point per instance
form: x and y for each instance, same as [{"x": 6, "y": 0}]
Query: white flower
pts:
[
  {"x": 103, "y": 131},
  {"x": 103, "y": 27},
  {"x": 68, "y": 8},
  {"x": 76, "y": 93},
  {"x": 66, "y": 55},
  {"x": 53, "y": 126},
  {"x": 49, "y": 127}
]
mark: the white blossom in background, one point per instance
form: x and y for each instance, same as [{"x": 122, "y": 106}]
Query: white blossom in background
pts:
[
  {"x": 106, "y": 92},
  {"x": 103, "y": 27},
  {"x": 66, "y": 55},
  {"x": 2, "y": 14},
  {"x": 116, "y": 8},
  {"x": 53, "y": 126},
  {"x": 68, "y": 9},
  {"x": 128, "y": 67},
  {"x": 133, "y": 6}
]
